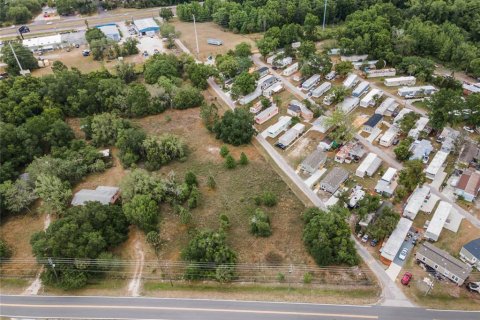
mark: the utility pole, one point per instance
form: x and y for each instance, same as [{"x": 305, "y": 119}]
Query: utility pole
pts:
[
  {"x": 16, "y": 58},
  {"x": 196, "y": 36},
  {"x": 50, "y": 261},
  {"x": 324, "y": 15}
]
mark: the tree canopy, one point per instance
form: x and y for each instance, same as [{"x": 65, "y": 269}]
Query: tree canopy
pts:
[{"x": 235, "y": 127}]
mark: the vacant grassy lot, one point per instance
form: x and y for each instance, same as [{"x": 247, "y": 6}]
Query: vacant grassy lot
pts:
[{"x": 207, "y": 30}]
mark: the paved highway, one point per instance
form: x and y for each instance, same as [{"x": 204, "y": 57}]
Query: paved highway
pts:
[{"x": 158, "y": 308}]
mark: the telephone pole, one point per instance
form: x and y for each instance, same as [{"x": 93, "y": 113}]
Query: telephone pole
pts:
[
  {"x": 16, "y": 58},
  {"x": 324, "y": 15},
  {"x": 196, "y": 36}
]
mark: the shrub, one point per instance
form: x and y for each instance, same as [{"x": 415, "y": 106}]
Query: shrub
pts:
[
  {"x": 280, "y": 277},
  {"x": 260, "y": 224},
  {"x": 307, "y": 278},
  {"x": 243, "y": 159},
  {"x": 191, "y": 179},
  {"x": 5, "y": 250},
  {"x": 230, "y": 162},
  {"x": 224, "y": 151},
  {"x": 211, "y": 182},
  {"x": 269, "y": 199},
  {"x": 224, "y": 222}
]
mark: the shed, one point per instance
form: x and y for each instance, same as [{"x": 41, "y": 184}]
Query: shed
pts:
[
  {"x": 372, "y": 122},
  {"x": 369, "y": 165},
  {"x": 313, "y": 161},
  {"x": 147, "y": 25},
  {"x": 436, "y": 164},
  {"x": 470, "y": 253},
  {"x": 395, "y": 241},
  {"x": 102, "y": 194},
  {"x": 110, "y": 31},
  {"x": 334, "y": 179},
  {"x": 416, "y": 201}
]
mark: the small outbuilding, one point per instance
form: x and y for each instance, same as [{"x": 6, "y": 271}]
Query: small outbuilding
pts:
[{"x": 102, "y": 194}]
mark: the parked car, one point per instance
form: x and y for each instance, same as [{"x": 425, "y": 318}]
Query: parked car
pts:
[
  {"x": 395, "y": 141},
  {"x": 365, "y": 238},
  {"x": 406, "y": 278},
  {"x": 86, "y": 53},
  {"x": 145, "y": 53},
  {"x": 473, "y": 286},
  {"x": 469, "y": 129},
  {"x": 403, "y": 255},
  {"x": 374, "y": 242},
  {"x": 281, "y": 146},
  {"x": 155, "y": 51}
]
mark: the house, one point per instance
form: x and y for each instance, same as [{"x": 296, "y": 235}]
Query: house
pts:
[
  {"x": 412, "y": 92},
  {"x": 400, "y": 115},
  {"x": 290, "y": 70},
  {"x": 282, "y": 63},
  {"x": 377, "y": 73},
  {"x": 310, "y": 82},
  {"x": 146, "y": 26},
  {"x": 415, "y": 202},
  {"x": 419, "y": 126},
  {"x": 293, "y": 133},
  {"x": 281, "y": 125},
  {"x": 110, "y": 31},
  {"x": 313, "y": 161},
  {"x": 470, "y": 152},
  {"x": 469, "y": 88},
  {"x": 468, "y": 186},
  {"x": 356, "y": 195},
  {"x": 334, "y": 179},
  {"x": 102, "y": 194},
  {"x": 369, "y": 165},
  {"x": 361, "y": 88},
  {"x": 320, "y": 124},
  {"x": 470, "y": 253},
  {"x": 266, "y": 114},
  {"x": 372, "y": 122},
  {"x": 387, "y": 107},
  {"x": 262, "y": 72},
  {"x": 250, "y": 97},
  {"x": 349, "y": 104},
  {"x": 349, "y": 151},
  {"x": 420, "y": 149},
  {"x": 214, "y": 42},
  {"x": 448, "y": 137},
  {"x": 436, "y": 165},
  {"x": 43, "y": 43},
  {"x": 395, "y": 241},
  {"x": 400, "y": 81},
  {"x": 315, "y": 177},
  {"x": 371, "y": 98},
  {"x": 444, "y": 217},
  {"x": 389, "y": 136},
  {"x": 350, "y": 81},
  {"x": 446, "y": 265},
  {"x": 299, "y": 108},
  {"x": 321, "y": 89},
  {"x": 387, "y": 184}
]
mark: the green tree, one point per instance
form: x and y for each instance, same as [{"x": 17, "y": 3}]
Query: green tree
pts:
[
  {"x": 187, "y": 97},
  {"x": 243, "y": 159},
  {"x": 209, "y": 114},
  {"x": 142, "y": 211},
  {"x": 411, "y": 175},
  {"x": 443, "y": 106},
  {"x": 106, "y": 128},
  {"x": 130, "y": 47},
  {"x": 384, "y": 225},
  {"x": 269, "y": 199},
  {"x": 475, "y": 67},
  {"x": 244, "y": 84},
  {"x": 408, "y": 122},
  {"x": 130, "y": 145},
  {"x": 166, "y": 14},
  {"x": 140, "y": 182},
  {"x": 310, "y": 24},
  {"x": 199, "y": 74},
  {"x": 260, "y": 224},
  {"x": 224, "y": 151},
  {"x": 367, "y": 205},
  {"x": 235, "y": 127},
  {"x": 228, "y": 65},
  {"x": 159, "y": 151},
  {"x": 243, "y": 49},
  {"x": 17, "y": 196},
  {"x": 306, "y": 50},
  {"x": 153, "y": 239},
  {"x": 343, "y": 68},
  {"x": 344, "y": 130},
  {"x": 230, "y": 162},
  {"x": 25, "y": 57},
  {"x": 94, "y": 34},
  {"x": 19, "y": 14},
  {"x": 55, "y": 194},
  {"x": 194, "y": 198},
  {"x": 5, "y": 250},
  {"x": 402, "y": 151},
  {"x": 267, "y": 45},
  {"x": 191, "y": 179}
]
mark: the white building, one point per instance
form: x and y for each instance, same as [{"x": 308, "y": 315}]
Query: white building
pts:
[
  {"x": 361, "y": 88},
  {"x": 275, "y": 129},
  {"x": 282, "y": 63},
  {"x": 371, "y": 97},
  {"x": 293, "y": 133},
  {"x": 469, "y": 88},
  {"x": 419, "y": 126},
  {"x": 387, "y": 107},
  {"x": 266, "y": 114},
  {"x": 350, "y": 81},
  {"x": 275, "y": 88},
  {"x": 250, "y": 97},
  {"x": 416, "y": 201},
  {"x": 147, "y": 26},
  {"x": 376, "y": 73},
  {"x": 395, "y": 241},
  {"x": 369, "y": 165},
  {"x": 349, "y": 104},
  {"x": 389, "y": 136},
  {"x": 290, "y": 69},
  {"x": 356, "y": 195},
  {"x": 400, "y": 81},
  {"x": 310, "y": 82},
  {"x": 102, "y": 194},
  {"x": 412, "y": 92},
  {"x": 321, "y": 89},
  {"x": 370, "y": 64},
  {"x": 354, "y": 58},
  {"x": 400, "y": 116},
  {"x": 444, "y": 217},
  {"x": 44, "y": 43},
  {"x": 320, "y": 124},
  {"x": 436, "y": 165},
  {"x": 387, "y": 184}
]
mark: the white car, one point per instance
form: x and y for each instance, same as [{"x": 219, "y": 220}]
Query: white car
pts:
[
  {"x": 468, "y": 129},
  {"x": 403, "y": 255},
  {"x": 49, "y": 22}
]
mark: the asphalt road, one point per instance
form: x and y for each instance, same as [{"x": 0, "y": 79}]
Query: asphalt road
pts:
[{"x": 158, "y": 308}]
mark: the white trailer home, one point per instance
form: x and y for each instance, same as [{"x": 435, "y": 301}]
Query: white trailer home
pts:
[
  {"x": 400, "y": 81},
  {"x": 361, "y": 89},
  {"x": 282, "y": 63},
  {"x": 293, "y": 133},
  {"x": 310, "y": 82},
  {"x": 412, "y": 92},
  {"x": 350, "y": 81},
  {"x": 321, "y": 89},
  {"x": 387, "y": 107},
  {"x": 290, "y": 69},
  {"x": 349, "y": 104},
  {"x": 275, "y": 129},
  {"x": 400, "y": 116},
  {"x": 369, "y": 165},
  {"x": 266, "y": 114},
  {"x": 215, "y": 42},
  {"x": 395, "y": 241},
  {"x": 416, "y": 201},
  {"x": 250, "y": 97},
  {"x": 377, "y": 73},
  {"x": 419, "y": 126},
  {"x": 389, "y": 136},
  {"x": 444, "y": 217},
  {"x": 371, "y": 97},
  {"x": 436, "y": 164}
]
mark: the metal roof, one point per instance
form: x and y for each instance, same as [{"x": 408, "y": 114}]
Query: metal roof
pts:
[
  {"x": 374, "y": 120},
  {"x": 395, "y": 241},
  {"x": 315, "y": 158},
  {"x": 102, "y": 194},
  {"x": 147, "y": 23}
]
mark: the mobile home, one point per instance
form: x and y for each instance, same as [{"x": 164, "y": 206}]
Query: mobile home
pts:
[
  {"x": 350, "y": 81},
  {"x": 282, "y": 63},
  {"x": 436, "y": 164},
  {"x": 250, "y": 97},
  {"x": 387, "y": 107},
  {"x": 400, "y": 81},
  {"x": 371, "y": 97},
  {"x": 266, "y": 114},
  {"x": 293, "y": 133},
  {"x": 369, "y": 165},
  {"x": 281, "y": 125},
  {"x": 377, "y": 73},
  {"x": 290, "y": 69},
  {"x": 361, "y": 89},
  {"x": 349, "y": 104},
  {"x": 214, "y": 42},
  {"x": 320, "y": 90},
  {"x": 310, "y": 82},
  {"x": 388, "y": 137},
  {"x": 411, "y": 92}
]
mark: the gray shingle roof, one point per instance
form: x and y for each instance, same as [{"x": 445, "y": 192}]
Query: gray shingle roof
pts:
[
  {"x": 442, "y": 258},
  {"x": 473, "y": 247},
  {"x": 315, "y": 159}
]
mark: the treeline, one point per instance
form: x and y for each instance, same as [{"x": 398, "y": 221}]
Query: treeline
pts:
[
  {"x": 102, "y": 47},
  {"x": 139, "y": 4},
  {"x": 18, "y": 11},
  {"x": 69, "y": 7}
]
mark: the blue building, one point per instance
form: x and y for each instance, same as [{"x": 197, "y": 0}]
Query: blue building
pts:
[{"x": 146, "y": 26}]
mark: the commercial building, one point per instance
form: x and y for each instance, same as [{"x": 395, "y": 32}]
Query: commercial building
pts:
[
  {"x": 468, "y": 186},
  {"x": 349, "y": 104},
  {"x": 361, "y": 88},
  {"x": 387, "y": 184},
  {"x": 43, "y": 43},
  {"x": 369, "y": 165},
  {"x": 290, "y": 69},
  {"x": 395, "y": 241},
  {"x": 386, "y": 140},
  {"x": 443, "y": 263},
  {"x": 110, "y": 31},
  {"x": 376, "y": 73},
  {"x": 293, "y": 133},
  {"x": 321, "y": 89},
  {"x": 371, "y": 98},
  {"x": 436, "y": 164},
  {"x": 444, "y": 217},
  {"x": 266, "y": 114},
  {"x": 470, "y": 253},
  {"x": 350, "y": 81},
  {"x": 281, "y": 125},
  {"x": 412, "y": 92},
  {"x": 102, "y": 194},
  {"x": 313, "y": 161},
  {"x": 146, "y": 26},
  {"x": 334, "y": 179},
  {"x": 400, "y": 81},
  {"x": 416, "y": 201},
  {"x": 372, "y": 122},
  {"x": 311, "y": 82}
]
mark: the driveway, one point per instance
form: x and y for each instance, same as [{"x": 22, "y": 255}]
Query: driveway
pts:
[
  {"x": 396, "y": 266},
  {"x": 149, "y": 44}
]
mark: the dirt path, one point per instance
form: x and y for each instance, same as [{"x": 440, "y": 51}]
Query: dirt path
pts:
[{"x": 135, "y": 283}]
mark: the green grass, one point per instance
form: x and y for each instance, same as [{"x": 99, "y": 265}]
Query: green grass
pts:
[
  {"x": 13, "y": 282},
  {"x": 421, "y": 105}
]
